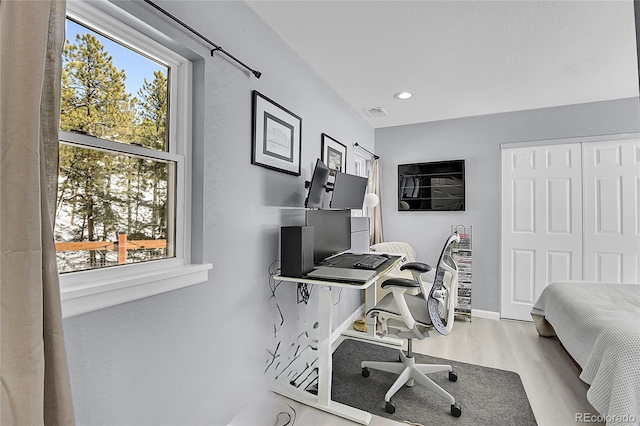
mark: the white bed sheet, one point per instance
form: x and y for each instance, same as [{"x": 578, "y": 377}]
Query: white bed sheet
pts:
[{"x": 599, "y": 325}]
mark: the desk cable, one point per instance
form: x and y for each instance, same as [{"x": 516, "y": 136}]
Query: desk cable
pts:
[
  {"x": 273, "y": 286},
  {"x": 339, "y": 296},
  {"x": 285, "y": 419},
  {"x": 304, "y": 292}
]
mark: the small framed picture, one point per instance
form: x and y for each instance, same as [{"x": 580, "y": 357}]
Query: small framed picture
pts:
[
  {"x": 334, "y": 154},
  {"x": 277, "y": 136}
]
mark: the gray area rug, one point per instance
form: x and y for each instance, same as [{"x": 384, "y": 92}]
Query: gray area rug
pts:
[{"x": 487, "y": 396}]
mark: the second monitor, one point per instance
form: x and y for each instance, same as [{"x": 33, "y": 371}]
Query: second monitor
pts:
[
  {"x": 348, "y": 191},
  {"x": 331, "y": 232}
]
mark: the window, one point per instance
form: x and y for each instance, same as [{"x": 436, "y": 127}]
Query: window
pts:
[
  {"x": 360, "y": 169},
  {"x": 114, "y": 205},
  {"x": 122, "y": 217},
  {"x": 360, "y": 165}
]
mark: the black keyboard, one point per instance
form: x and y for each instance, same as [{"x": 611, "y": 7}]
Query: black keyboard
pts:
[{"x": 370, "y": 261}]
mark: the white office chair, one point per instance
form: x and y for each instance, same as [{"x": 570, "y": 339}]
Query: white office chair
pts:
[
  {"x": 450, "y": 277},
  {"x": 409, "y": 316}
]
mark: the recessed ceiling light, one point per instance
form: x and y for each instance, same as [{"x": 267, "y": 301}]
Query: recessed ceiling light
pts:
[{"x": 403, "y": 95}]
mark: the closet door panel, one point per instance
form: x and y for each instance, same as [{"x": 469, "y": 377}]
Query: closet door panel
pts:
[
  {"x": 611, "y": 172},
  {"x": 541, "y": 223}
]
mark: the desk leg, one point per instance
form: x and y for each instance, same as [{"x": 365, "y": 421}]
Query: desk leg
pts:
[
  {"x": 323, "y": 400},
  {"x": 325, "y": 304},
  {"x": 370, "y": 296}
]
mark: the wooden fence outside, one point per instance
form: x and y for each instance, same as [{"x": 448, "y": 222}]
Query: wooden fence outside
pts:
[{"x": 122, "y": 245}]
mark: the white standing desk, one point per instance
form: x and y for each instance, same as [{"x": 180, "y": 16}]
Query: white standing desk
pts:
[{"x": 323, "y": 400}]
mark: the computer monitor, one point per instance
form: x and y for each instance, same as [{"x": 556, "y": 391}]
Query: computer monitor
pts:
[
  {"x": 331, "y": 232},
  {"x": 348, "y": 191},
  {"x": 317, "y": 186}
]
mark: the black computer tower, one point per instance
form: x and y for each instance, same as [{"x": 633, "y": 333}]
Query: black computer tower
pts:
[{"x": 296, "y": 250}]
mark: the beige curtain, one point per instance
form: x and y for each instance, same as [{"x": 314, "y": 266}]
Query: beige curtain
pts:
[
  {"x": 34, "y": 374},
  {"x": 376, "y": 220}
]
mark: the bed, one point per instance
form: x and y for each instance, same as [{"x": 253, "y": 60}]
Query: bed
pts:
[{"x": 599, "y": 326}]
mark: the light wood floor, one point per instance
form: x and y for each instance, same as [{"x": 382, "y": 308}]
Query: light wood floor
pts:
[{"x": 549, "y": 377}]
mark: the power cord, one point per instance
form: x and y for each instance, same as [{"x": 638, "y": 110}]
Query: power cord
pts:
[
  {"x": 285, "y": 419},
  {"x": 339, "y": 296},
  {"x": 273, "y": 286},
  {"x": 304, "y": 290}
]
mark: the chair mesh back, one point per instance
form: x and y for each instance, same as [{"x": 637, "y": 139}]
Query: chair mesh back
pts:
[
  {"x": 445, "y": 258},
  {"x": 435, "y": 309}
]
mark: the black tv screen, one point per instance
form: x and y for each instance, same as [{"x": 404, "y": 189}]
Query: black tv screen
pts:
[
  {"x": 348, "y": 191},
  {"x": 434, "y": 186},
  {"x": 317, "y": 186}
]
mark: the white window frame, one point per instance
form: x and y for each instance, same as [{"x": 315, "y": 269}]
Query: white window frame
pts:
[
  {"x": 363, "y": 163},
  {"x": 86, "y": 291},
  {"x": 360, "y": 163}
]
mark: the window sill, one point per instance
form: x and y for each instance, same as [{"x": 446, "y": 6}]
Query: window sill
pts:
[{"x": 80, "y": 298}]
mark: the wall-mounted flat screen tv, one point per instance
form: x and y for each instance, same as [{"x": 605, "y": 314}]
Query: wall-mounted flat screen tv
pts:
[{"x": 434, "y": 186}]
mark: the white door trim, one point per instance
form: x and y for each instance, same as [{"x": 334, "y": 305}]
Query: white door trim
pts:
[{"x": 585, "y": 139}]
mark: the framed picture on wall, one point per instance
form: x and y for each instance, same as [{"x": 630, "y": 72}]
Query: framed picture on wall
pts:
[
  {"x": 334, "y": 154},
  {"x": 277, "y": 136}
]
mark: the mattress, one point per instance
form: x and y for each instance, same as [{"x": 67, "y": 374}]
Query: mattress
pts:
[{"x": 599, "y": 325}]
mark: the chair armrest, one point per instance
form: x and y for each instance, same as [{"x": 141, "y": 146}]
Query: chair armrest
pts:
[
  {"x": 399, "y": 287},
  {"x": 400, "y": 282},
  {"x": 416, "y": 266}
]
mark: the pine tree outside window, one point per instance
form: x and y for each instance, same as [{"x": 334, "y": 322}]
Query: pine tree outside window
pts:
[
  {"x": 121, "y": 215},
  {"x": 113, "y": 207}
]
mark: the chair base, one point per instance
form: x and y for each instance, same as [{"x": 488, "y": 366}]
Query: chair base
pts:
[{"x": 410, "y": 372}]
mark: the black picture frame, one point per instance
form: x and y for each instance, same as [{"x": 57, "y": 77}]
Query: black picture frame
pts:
[
  {"x": 276, "y": 136},
  {"x": 334, "y": 155}
]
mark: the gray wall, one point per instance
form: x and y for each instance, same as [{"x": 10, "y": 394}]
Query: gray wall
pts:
[
  {"x": 477, "y": 140},
  {"x": 198, "y": 355}
]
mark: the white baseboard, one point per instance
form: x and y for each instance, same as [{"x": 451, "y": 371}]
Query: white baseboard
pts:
[{"x": 485, "y": 314}]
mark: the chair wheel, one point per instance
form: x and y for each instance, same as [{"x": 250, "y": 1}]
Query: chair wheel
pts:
[
  {"x": 456, "y": 411},
  {"x": 365, "y": 372},
  {"x": 391, "y": 407},
  {"x": 453, "y": 376}
]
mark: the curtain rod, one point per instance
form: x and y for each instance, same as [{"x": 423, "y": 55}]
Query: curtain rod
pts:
[
  {"x": 375, "y": 157},
  {"x": 216, "y": 48}
]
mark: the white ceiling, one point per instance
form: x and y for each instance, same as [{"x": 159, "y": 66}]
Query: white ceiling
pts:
[{"x": 462, "y": 58}]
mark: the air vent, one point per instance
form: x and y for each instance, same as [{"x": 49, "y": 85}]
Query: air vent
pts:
[{"x": 376, "y": 112}]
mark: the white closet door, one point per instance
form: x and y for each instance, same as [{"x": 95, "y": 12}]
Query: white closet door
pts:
[
  {"x": 541, "y": 223},
  {"x": 611, "y": 219}
]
